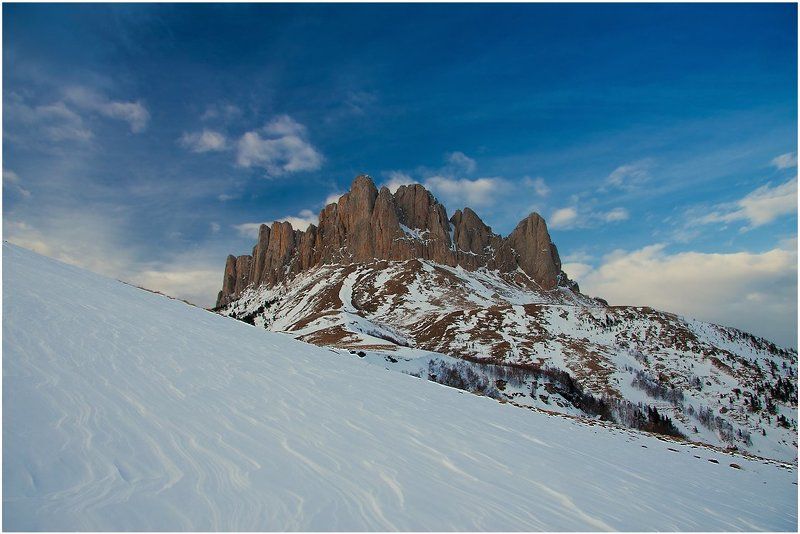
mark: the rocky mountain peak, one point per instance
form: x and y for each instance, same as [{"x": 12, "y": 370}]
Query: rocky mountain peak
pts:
[
  {"x": 536, "y": 253},
  {"x": 470, "y": 233},
  {"x": 366, "y": 224}
]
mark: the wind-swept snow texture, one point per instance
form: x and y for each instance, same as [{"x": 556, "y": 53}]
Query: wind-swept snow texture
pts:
[{"x": 125, "y": 410}]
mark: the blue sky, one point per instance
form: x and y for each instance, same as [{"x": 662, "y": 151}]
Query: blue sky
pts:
[{"x": 659, "y": 141}]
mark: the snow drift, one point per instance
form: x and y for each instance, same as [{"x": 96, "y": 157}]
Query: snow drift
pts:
[{"x": 125, "y": 410}]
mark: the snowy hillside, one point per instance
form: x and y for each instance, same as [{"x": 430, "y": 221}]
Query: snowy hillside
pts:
[
  {"x": 123, "y": 409},
  {"x": 554, "y": 350}
]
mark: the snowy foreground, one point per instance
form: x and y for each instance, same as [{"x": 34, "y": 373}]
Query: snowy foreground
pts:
[{"x": 124, "y": 410}]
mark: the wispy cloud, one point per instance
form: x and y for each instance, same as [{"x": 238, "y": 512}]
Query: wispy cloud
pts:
[
  {"x": 397, "y": 178},
  {"x": 359, "y": 102},
  {"x": 537, "y": 184},
  {"x": 11, "y": 180},
  {"x": 462, "y": 162},
  {"x": 616, "y": 214},
  {"x": 83, "y": 239},
  {"x": 203, "y": 141},
  {"x": 221, "y": 112},
  {"x": 181, "y": 281},
  {"x": 99, "y": 240},
  {"x": 564, "y": 218},
  {"x": 332, "y": 198},
  {"x": 280, "y": 147},
  {"x": 300, "y": 221},
  {"x": 760, "y": 207},
  {"x": 466, "y": 192},
  {"x": 134, "y": 113},
  {"x": 250, "y": 229},
  {"x": 578, "y": 256},
  {"x": 630, "y": 176},
  {"x": 575, "y": 216},
  {"x": 53, "y": 122},
  {"x": 785, "y": 161}
]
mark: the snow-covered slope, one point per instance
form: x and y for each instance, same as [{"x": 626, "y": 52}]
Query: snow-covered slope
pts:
[
  {"x": 123, "y": 409},
  {"x": 717, "y": 385}
]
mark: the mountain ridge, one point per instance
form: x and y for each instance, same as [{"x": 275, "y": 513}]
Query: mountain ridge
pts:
[
  {"x": 500, "y": 332},
  {"x": 369, "y": 224}
]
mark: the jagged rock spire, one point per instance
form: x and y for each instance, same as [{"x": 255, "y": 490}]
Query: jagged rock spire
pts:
[{"x": 366, "y": 224}]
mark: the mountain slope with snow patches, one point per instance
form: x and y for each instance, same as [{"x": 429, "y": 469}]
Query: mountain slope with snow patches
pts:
[
  {"x": 555, "y": 350},
  {"x": 125, "y": 410}
]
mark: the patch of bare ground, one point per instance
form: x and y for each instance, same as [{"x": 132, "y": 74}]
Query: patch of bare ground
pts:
[
  {"x": 366, "y": 292},
  {"x": 335, "y": 336},
  {"x": 431, "y": 333},
  {"x": 307, "y": 320},
  {"x": 455, "y": 295},
  {"x": 329, "y": 297},
  {"x": 589, "y": 367},
  {"x": 488, "y": 325},
  {"x": 716, "y": 362},
  {"x": 397, "y": 286}
]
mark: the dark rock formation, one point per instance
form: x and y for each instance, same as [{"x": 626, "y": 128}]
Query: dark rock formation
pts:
[
  {"x": 536, "y": 254},
  {"x": 367, "y": 224}
]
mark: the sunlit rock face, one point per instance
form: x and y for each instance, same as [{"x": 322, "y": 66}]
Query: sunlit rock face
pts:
[{"x": 366, "y": 224}]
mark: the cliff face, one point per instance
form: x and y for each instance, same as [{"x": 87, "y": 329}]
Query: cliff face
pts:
[{"x": 367, "y": 224}]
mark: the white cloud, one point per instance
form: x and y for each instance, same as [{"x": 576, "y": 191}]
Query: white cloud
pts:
[
  {"x": 299, "y": 222},
  {"x": 358, "y": 102},
  {"x": 223, "y": 112},
  {"x": 11, "y": 180},
  {"x": 198, "y": 286},
  {"x": 100, "y": 244},
  {"x": 204, "y": 141},
  {"x": 284, "y": 125},
  {"x": 83, "y": 239},
  {"x": 463, "y": 191},
  {"x": 758, "y": 208},
  {"x": 630, "y": 176},
  {"x": 283, "y": 148},
  {"x": 250, "y": 229},
  {"x": 576, "y": 217},
  {"x": 54, "y": 122},
  {"x": 785, "y": 161},
  {"x": 616, "y": 214},
  {"x": 576, "y": 270},
  {"x": 538, "y": 184},
  {"x": 332, "y": 198},
  {"x": 578, "y": 256},
  {"x": 462, "y": 162},
  {"x": 10, "y": 177},
  {"x": 134, "y": 113},
  {"x": 215, "y": 227},
  {"x": 224, "y": 197},
  {"x": 563, "y": 218},
  {"x": 752, "y": 291},
  {"x": 396, "y": 179}
]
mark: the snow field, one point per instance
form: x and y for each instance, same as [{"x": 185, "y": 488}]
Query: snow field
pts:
[{"x": 125, "y": 410}]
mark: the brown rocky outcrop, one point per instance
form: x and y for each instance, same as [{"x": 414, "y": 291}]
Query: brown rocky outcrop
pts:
[
  {"x": 243, "y": 266},
  {"x": 260, "y": 254},
  {"x": 535, "y": 252},
  {"x": 367, "y": 224}
]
